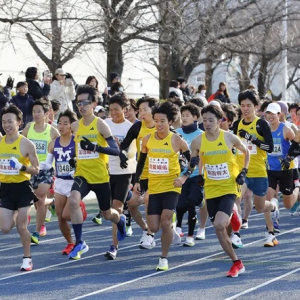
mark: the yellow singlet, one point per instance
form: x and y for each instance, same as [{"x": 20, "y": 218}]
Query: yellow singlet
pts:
[
  {"x": 163, "y": 165},
  {"x": 144, "y": 131},
  {"x": 258, "y": 157},
  {"x": 40, "y": 140},
  {"x": 7, "y": 173},
  {"x": 93, "y": 166},
  {"x": 220, "y": 167}
]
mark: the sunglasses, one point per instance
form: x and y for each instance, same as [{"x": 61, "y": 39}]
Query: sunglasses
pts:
[
  {"x": 83, "y": 102},
  {"x": 224, "y": 120}
]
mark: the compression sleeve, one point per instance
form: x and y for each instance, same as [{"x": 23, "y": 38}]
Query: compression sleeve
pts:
[
  {"x": 187, "y": 155},
  {"x": 131, "y": 135},
  {"x": 140, "y": 166},
  {"x": 264, "y": 130},
  {"x": 49, "y": 159},
  {"x": 113, "y": 148}
]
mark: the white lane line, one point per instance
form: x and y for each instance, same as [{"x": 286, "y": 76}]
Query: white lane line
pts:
[
  {"x": 170, "y": 269},
  {"x": 263, "y": 284}
]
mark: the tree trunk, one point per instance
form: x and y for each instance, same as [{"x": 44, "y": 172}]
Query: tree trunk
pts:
[
  {"x": 209, "y": 71},
  {"x": 262, "y": 76},
  {"x": 244, "y": 79},
  {"x": 115, "y": 61},
  {"x": 163, "y": 71}
]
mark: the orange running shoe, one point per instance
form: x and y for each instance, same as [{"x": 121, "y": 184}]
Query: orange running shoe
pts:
[
  {"x": 43, "y": 231},
  {"x": 236, "y": 269}
]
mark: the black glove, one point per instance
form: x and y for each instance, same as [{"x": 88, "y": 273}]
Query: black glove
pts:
[
  {"x": 194, "y": 161},
  {"x": 72, "y": 162},
  {"x": 294, "y": 149},
  {"x": 285, "y": 163},
  {"x": 123, "y": 160},
  {"x": 240, "y": 180},
  {"x": 86, "y": 144},
  {"x": 201, "y": 180},
  {"x": 244, "y": 134}
]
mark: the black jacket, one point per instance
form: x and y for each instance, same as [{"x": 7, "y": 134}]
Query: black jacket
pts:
[{"x": 35, "y": 90}]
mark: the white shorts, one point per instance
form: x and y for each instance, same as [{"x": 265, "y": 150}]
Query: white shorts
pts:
[{"x": 63, "y": 186}]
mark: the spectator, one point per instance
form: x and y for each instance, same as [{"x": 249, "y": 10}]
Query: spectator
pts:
[
  {"x": 34, "y": 88},
  {"x": 201, "y": 92},
  {"x": 24, "y": 102},
  {"x": 174, "y": 90},
  {"x": 184, "y": 89},
  {"x": 63, "y": 90},
  {"x": 221, "y": 94},
  {"x": 3, "y": 103},
  {"x": 114, "y": 77},
  {"x": 92, "y": 81},
  {"x": 100, "y": 112},
  {"x": 116, "y": 88},
  {"x": 54, "y": 111}
]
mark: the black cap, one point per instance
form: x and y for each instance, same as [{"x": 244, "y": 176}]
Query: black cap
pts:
[{"x": 113, "y": 75}]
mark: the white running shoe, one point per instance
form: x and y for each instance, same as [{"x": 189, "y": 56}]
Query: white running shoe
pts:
[
  {"x": 275, "y": 213},
  {"x": 48, "y": 216},
  {"x": 147, "y": 241},
  {"x": 27, "y": 264},
  {"x": 271, "y": 240},
  {"x": 176, "y": 236},
  {"x": 200, "y": 235},
  {"x": 179, "y": 231},
  {"x": 245, "y": 225},
  {"x": 162, "y": 265},
  {"x": 189, "y": 241},
  {"x": 236, "y": 241}
]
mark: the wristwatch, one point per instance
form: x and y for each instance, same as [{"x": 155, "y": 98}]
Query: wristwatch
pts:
[{"x": 23, "y": 168}]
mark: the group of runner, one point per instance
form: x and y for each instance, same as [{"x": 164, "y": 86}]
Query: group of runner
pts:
[{"x": 170, "y": 169}]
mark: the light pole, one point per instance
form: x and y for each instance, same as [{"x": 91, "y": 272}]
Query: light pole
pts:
[{"x": 284, "y": 52}]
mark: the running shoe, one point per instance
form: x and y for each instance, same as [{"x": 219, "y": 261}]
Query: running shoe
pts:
[
  {"x": 236, "y": 241},
  {"x": 236, "y": 269},
  {"x": 27, "y": 264},
  {"x": 43, "y": 231},
  {"x": 276, "y": 227},
  {"x": 236, "y": 220},
  {"x": 98, "y": 219},
  {"x": 245, "y": 224},
  {"x": 162, "y": 265},
  {"x": 83, "y": 210},
  {"x": 271, "y": 240},
  {"x": 275, "y": 213},
  {"x": 35, "y": 238},
  {"x": 176, "y": 236},
  {"x": 48, "y": 216},
  {"x": 174, "y": 217},
  {"x": 121, "y": 234},
  {"x": 68, "y": 249},
  {"x": 129, "y": 231},
  {"x": 189, "y": 241},
  {"x": 295, "y": 208},
  {"x": 200, "y": 234},
  {"x": 147, "y": 241},
  {"x": 179, "y": 231},
  {"x": 52, "y": 208},
  {"x": 111, "y": 253},
  {"x": 79, "y": 249}
]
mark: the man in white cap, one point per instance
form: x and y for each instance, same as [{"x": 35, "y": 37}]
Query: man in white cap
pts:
[
  {"x": 99, "y": 111},
  {"x": 280, "y": 166}
]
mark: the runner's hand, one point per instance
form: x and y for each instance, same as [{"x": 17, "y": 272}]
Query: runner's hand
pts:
[
  {"x": 240, "y": 180},
  {"x": 86, "y": 144},
  {"x": 285, "y": 163},
  {"x": 123, "y": 160},
  {"x": 244, "y": 134}
]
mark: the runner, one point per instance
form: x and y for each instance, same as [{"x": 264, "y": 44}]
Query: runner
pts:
[
  {"x": 41, "y": 134},
  {"x": 221, "y": 175},
  {"x": 93, "y": 144},
  {"x": 162, "y": 147},
  {"x": 18, "y": 160}
]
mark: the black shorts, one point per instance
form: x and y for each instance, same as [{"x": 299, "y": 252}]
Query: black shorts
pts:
[
  {"x": 295, "y": 174},
  {"x": 191, "y": 193},
  {"x": 102, "y": 191},
  {"x": 119, "y": 185},
  {"x": 223, "y": 203},
  {"x": 159, "y": 202},
  {"x": 16, "y": 195},
  {"x": 284, "y": 179}
]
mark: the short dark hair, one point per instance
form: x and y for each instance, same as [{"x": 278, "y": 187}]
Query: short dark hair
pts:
[
  {"x": 292, "y": 106},
  {"x": 174, "y": 83},
  {"x": 151, "y": 101},
  {"x": 192, "y": 108},
  {"x": 68, "y": 113},
  {"x": 197, "y": 101},
  {"x": 86, "y": 89},
  {"x": 176, "y": 101},
  {"x": 133, "y": 104},
  {"x": 181, "y": 80},
  {"x": 264, "y": 105},
  {"x": 12, "y": 109},
  {"x": 201, "y": 87},
  {"x": 249, "y": 94},
  {"x": 90, "y": 78},
  {"x": 31, "y": 72},
  {"x": 167, "y": 108},
  {"x": 55, "y": 104},
  {"x": 229, "y": 110},
  {"x": 214, "y": 109},
  {"x": 120, "y": 99},
  {"x": 45, "y": 106},
  {"x": 116, "y": 87},
  {"x": 21, "y": 83}
]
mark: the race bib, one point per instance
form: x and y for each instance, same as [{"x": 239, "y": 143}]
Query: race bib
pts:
[
  {"x": 251, "y": 147},
  {"x": 63, "y": 168},
  {"x": 277, "y": 151},
  {"x": 85, "y": 154},
  {"x": 158, "y": 165},
  {"x": 217, "y": 172},
  {"x": 40, "y": 146},
  {"x": 6, "y": 169}
]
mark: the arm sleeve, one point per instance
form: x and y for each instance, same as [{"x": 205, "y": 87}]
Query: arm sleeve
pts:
[
  {"x": 140, "y": 166},
  {"x": 112, "y": 148},
  {"x": 131, "y": 135},
  {"x": 187, "y": 155},
  {"x": 235, "y": 126},
  {"x": 265, "y": 131},
  {"x": 294, "y": 149}
]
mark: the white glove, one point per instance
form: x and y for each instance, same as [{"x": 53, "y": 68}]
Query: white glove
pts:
[
  {"x": 14, "y": 163},
  {"x": 72, "y": 173},
  {"x": 45, "y": 166}
]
